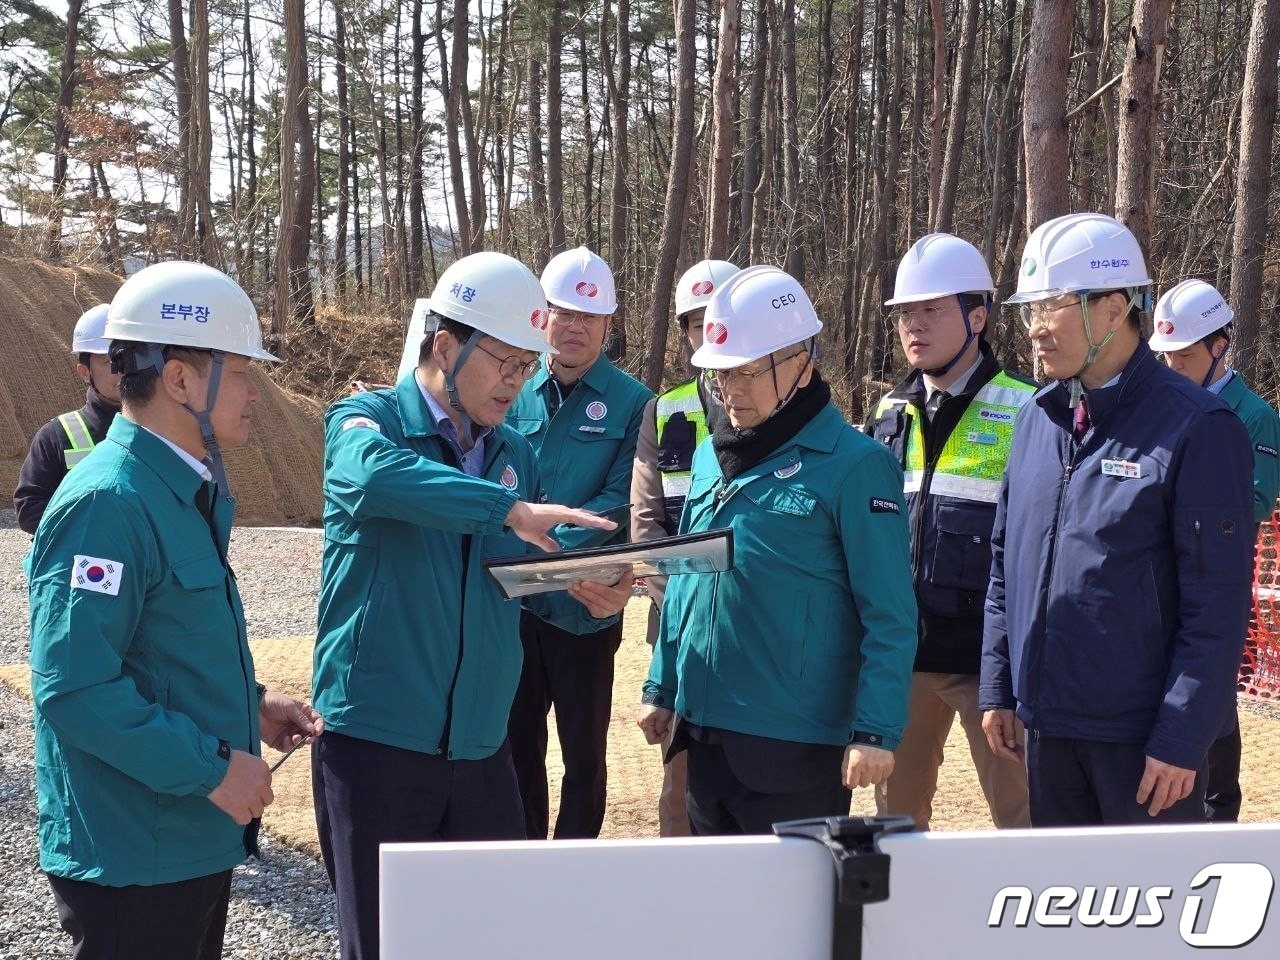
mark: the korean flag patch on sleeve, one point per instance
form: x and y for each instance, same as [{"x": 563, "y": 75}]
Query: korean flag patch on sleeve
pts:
[
  {"x": 97, "y": 575},
  {"x": 353, "y": 422}
]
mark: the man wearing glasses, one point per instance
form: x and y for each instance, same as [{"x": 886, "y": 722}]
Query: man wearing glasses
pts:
[
  {"x": 950, "y": 426},
  {"x": 582, "y": 415},
  {"x": 417, "y": 653},
  {"x": 1122, "y": 551}
]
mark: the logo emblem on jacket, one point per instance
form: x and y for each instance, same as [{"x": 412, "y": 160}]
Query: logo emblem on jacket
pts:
[
  {"x": 596, "y": 410},
  {"x": 999, "y": 416},
  {"x": 881, "y": 505},
  {"x": 509, "y": 478},
  {"x": 785, "y": 473}
]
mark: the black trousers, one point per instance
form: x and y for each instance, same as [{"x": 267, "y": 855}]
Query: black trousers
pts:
[
  {"x": 1081, "y": 783},
  {"x": 168, "y": 921},
  {"x": 734, "y": 790},
  {"x": 574, "y": 673},
  {"x": 1222, "y": 797},
  {"x": 367, "y": 794}
]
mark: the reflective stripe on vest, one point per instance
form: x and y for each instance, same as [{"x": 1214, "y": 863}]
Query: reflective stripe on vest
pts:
[
  {"x": 77, "y": 431},
  {"x": 682, "y": 399},
  {"x": 972, "y": 462}
]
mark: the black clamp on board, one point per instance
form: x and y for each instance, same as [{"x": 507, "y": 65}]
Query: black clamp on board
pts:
[{"x": 862, "y": 871}]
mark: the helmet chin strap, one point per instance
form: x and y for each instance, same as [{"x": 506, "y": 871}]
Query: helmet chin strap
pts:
[
  {"x": 969, "y": 337},
  {"x": 204, "y": 419},
  {"x": 450, "y": 383},
  {"x": 1217, "y": 359},
  {"x": 1075, "y": 387},
  {"x": 795, "y": 387}
]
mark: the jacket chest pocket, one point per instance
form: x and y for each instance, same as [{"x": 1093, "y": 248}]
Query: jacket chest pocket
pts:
[
  {"x": 790, "y": 501},
  {"x": 891, "y": 431},
  {"x": 962, "y": 549},
  {"x": 200, "y": 573}
]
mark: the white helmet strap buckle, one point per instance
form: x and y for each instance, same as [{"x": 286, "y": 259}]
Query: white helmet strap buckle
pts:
[{"x": 203, "y": 418}]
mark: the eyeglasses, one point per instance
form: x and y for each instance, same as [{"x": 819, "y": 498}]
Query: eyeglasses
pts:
[
  {"x": 512, "y": 366},
  {"x": 1040, "y": 312},
  {"x": 922, "y": 316},
  {"x": 724, "y": 378},
  {"x": 567, "y": 318}
]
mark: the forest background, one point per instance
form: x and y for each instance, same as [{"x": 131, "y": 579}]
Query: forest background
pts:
[{"x": 336, "y": 155}]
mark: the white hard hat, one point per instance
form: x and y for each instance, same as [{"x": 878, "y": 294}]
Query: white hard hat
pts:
[
  {"x": 699, "y": 282},
  {"x": 184, "y": 304},
  {"x": 87, "y": 336},
  {"x": 1081, "y": 251},
  {"x": 1188, "y": 313},
  {"x": 940, "y": 265},
  {"x": 579, "y": 280},
  {"x": 755, "y": 312},
  {"x": 495, "y": 294}
]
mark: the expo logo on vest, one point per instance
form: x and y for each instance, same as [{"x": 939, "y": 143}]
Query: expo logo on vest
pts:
[{"x": 715, "y": 332}]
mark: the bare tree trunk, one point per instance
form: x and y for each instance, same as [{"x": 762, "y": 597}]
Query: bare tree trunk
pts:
[
  {"x": 245, "y": 270},
  {"x": 620, "y": 199},
  {"x": 184, "y": 235},
  {"x": 751, "y": 146},
  {"x": 1253, "y": 182},
  {"x": 723, "y": 123},
  {"x": 945, "y": 220},
  {"x": 1044, "y": 112},
  {"x": 939, "y": 106},
  {"x": 201, "y": 156},
  {"x": 453, "y": 123},
  {"x": 293, "y": 280},
  {"x": 1135, "y": 160},
  {"x": 555, "y": 139},
  {"x": 461, "y": 59},
  {"x": 62, "y": 131},
  {"x": 791, "y": 144},
  {"x": 344, "y": 150},
  {"x": 677, "y": 192},
  {"x": 537, "y": 170},
  {"x": 589, "y": 233}
]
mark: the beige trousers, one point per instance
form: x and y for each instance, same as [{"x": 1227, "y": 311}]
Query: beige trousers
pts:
[{"x": 936, "y": 699}]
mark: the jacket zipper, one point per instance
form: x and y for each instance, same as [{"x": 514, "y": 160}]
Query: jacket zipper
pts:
[
  {"x": 241, "y": 640},
  {"x": 1074, "y": 452},
  {"x": 446, "y": 732},
  {"x": 1199, "y": 551}
]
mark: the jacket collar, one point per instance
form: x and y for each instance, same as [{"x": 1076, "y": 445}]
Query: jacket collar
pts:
[
  {"x": 597, "y": 378},
  {"x": 176, "y": 474},
  {"x": 415, "y": 416},
  {"x": 1054, "y": 397},
  {"x": 912, "y": 389}
]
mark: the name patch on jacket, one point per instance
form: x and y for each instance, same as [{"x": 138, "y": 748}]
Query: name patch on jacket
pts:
[
  {"x": 353, "y": 422},
  {"x": 96, "y": 575},
  {"x": 990, "y": 439},
  {"x": 1269, "y": 451},
  {"x": 884, "y": 506},
  {"x": 1121, "y": 468}
]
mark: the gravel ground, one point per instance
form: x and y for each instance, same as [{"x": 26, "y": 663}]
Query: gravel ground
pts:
[{"x": 281, "y": 906}]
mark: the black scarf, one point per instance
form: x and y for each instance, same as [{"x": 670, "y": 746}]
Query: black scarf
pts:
[{"x": 739, "y": 450}]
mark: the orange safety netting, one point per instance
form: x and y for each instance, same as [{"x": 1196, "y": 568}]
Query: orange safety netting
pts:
[{"x": 1260, "y": 671}]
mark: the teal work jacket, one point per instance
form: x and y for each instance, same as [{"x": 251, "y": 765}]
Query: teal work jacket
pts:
[
  {"x": 812, "y": 635},
  {"x": 585, "y": 451},
  {"x": 416, "y": 647},
  {"x": 140, "y": 665}
]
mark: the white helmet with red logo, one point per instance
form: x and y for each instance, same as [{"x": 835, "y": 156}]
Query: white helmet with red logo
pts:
[
  {"x": 699, "y": 282},
  {"x": 755, "y": 312},
  {"x": 579, "y": 280},
  {"x": 497, "y": 295},
  {"x": 1188, "y": 313}
]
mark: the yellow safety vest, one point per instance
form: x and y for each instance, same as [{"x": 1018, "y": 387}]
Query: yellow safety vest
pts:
[
  {"x": 972, "y": 461},
  {"x": 77, "y": 431},
  {"x": 675, "y": 450}
]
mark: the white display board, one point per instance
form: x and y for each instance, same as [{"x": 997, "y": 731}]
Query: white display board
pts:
[
  {"x": 757, "y": 898},
  {"x": 1038, "y": 894},
  {"x": 413, "y": 338}
]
